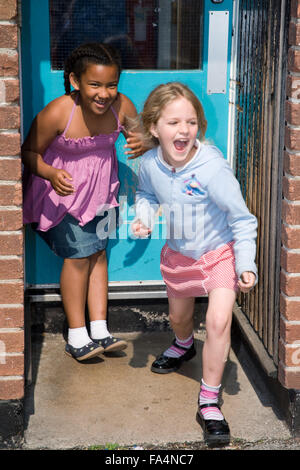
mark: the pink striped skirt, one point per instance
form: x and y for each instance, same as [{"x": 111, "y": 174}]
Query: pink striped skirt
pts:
[{"x": 187, "y": 277}]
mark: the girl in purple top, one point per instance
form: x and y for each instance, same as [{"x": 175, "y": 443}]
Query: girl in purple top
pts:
[{"x": 71, "y": 178}]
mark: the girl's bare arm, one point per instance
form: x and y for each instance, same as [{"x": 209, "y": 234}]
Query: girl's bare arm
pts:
[
  {"x": 133, "y": 134},
  {"x": 45, "y": 127}
]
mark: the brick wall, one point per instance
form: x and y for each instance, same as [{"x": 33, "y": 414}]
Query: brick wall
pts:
[
  {"x": 11, "y": 234},
  {"x": 289, "y": 344}
]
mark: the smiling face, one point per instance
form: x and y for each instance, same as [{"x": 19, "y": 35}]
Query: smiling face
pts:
[
  {"x": 98, "y": 87},
  {"x": 176, "y": 130}
]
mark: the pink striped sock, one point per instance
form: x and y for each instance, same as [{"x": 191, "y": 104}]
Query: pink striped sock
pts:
[
  {"x": 210, "y": 394},
  {"x": 180, "y": 347}
]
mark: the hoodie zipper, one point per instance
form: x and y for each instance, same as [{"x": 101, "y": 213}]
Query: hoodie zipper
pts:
[{"x": 172, "y": 185}]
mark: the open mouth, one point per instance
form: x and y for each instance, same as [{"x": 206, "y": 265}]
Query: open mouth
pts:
[
  {"x": 100, "y": 103},
  {"x": 180, "y": 145}
]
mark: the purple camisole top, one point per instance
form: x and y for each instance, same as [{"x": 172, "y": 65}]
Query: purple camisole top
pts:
[{"x": 92, "y": 163}]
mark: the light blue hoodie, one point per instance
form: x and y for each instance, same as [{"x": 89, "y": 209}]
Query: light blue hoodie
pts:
[{"x": 202, "y": 204}]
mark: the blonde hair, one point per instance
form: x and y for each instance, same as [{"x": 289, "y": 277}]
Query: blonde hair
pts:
[{"x": 159, "y": 98}]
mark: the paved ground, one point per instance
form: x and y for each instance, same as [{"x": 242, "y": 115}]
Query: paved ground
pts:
[{"x": 116, "y": 400}]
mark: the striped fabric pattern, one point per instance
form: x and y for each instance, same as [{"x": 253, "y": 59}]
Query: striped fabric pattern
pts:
[
  {"x": 209, "y": 394},
  {"x": 186, "y": 277},
  {"x": 180, "y": 348}
]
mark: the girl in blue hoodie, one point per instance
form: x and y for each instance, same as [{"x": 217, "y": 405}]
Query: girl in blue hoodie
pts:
[{"x": 211, "y": 237}]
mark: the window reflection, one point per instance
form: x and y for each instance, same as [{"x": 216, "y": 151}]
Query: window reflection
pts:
[{"x": 150, "y": 34}]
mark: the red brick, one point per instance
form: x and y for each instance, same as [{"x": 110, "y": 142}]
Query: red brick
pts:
[
  {"x": 290, "y": 285},
  {"x": 292, "y": 138},
  {"x": 291, "y": 213},
  {"x": 291, "y": 164},
  {"x": 11, "y": 244},
  {"x": 10, "y": 194},
  {"x": 290, "y": 308},
  {"x": 10, "y": 144},
  {"x": 11, "y": 219},
  {"x": 10, "y": 169},
  {"x": 292, "y": 113},
  {"x": 9, "y": 117},
  {"x": 11, "y": 365},
  {"x": 9, "y": 66},
  {"x": 288, "y": 378},
  {"x": 293, "y": 87},
  {"x": 295, "y": 9},
  {"x": 11, "y": 389},
  {"x": 289, "y": 332},
  {"x": 11, "y": 317},
  {"x": 290, "y": 237},
  {"x": 290, "y": 354},
  {"x": 290, "y": 261},
  {"x": 11, "y": 268},
  {"x": 13, "y": 341},
  {"x": 294, "y": 60},
  {"x": 12, "y": 91},
  {"x": 11, "y": 293},
  {"x": 9, "y": 36},
  {"x": 8, "y": 9},
  {"x": 294, "y": 34},
  {"x": 291, "y": 188}
]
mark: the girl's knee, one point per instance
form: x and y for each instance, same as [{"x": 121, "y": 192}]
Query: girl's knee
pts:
[
  {"x": 218, "y": 323},
  {"x": 219, "y": 312},
  {"x": 180, "y": 319},
  {"x": 176, "y": 319}
]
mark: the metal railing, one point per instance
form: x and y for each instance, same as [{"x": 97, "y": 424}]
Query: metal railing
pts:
[{"x": 260, "y": 92}]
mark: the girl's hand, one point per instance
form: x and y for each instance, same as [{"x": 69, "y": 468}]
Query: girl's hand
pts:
[
  {"x": 59, "y": 181},
  {"x": 140, "y": 230},
  {"x": 247, "y": 281},
  {"x": 135, "y": 143}
]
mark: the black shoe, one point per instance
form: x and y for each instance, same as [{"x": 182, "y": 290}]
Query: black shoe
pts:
[
  {"x": 110, "y": 343},
  {"x": 215, "y": 432},
  {"x": 86, "y": 352},
  {"x": 164, "y": 364}
]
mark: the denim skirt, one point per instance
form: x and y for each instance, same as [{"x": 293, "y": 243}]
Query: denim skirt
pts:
[{"x": 70, "y": 240}]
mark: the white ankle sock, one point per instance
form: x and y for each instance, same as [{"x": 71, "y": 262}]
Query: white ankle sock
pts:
[
  {"x": 99, "y": 329},
  {"x": 78, "y": 337}
]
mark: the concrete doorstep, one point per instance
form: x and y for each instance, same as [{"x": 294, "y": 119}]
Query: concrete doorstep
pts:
[{"x": 115, "y": 400}]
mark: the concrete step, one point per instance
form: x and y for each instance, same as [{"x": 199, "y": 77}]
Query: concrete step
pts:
[{"x": 117, "y": 399}]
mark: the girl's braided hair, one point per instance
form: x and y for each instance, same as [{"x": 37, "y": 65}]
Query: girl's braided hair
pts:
[{"x": 89, "y": 53}]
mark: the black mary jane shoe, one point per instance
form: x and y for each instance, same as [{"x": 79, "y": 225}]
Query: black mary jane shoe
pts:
[
  {"x": 164, "y": 364},
  {"x": 216, "y": 432}
]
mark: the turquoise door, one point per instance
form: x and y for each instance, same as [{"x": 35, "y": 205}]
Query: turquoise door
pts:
[{"x": 169, "y": 40}]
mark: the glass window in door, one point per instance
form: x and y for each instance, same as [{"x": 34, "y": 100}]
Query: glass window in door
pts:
[{"x": 150, "y": 34}]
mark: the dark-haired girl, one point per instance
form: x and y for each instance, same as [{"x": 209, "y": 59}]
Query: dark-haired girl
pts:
[{"x": 71, "y": 178}]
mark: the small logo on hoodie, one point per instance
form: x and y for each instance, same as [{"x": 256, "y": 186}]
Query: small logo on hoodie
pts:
[{"x": 192, "y": 187}]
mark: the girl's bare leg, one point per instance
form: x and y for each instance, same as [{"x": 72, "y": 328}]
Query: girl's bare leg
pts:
[
  {"x": 181, "y": 312},
  {"x": 181, "y": 320},
  {"x": 97, "y": 303},
  {"x": 97, "y": 286},
  {"x": 74, "y": 284},
  {"x": 73, "y": 287},
  {"x": 217, "y": 342}
]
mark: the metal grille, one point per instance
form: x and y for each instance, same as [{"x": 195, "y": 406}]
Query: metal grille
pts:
[
  {"x": 149, "y": 34},
  {"x": 260, "y": 91}
]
